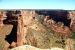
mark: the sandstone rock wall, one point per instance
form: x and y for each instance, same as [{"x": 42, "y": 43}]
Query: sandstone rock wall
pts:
[
  {"x": 25, "y": 21},
  {"x": 1, "y": 18},
  {"x": 31, "y": 31},
  {"x": 72, "y": 17},
  {"x": 58, "y": 28}
]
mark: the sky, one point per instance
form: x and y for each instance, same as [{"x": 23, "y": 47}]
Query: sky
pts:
[{"x": 38, "y": 4}]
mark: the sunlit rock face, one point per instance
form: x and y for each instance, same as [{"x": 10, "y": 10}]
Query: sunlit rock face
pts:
[
  {"x": 28, "y": 20},
  {"x": 30, "y": 23},
  {"x": 72, "y": 17},
  {"x": 2, "y": 15},
  {"x": 59, "y": 27},
  {"x": 38, "y": 30}
]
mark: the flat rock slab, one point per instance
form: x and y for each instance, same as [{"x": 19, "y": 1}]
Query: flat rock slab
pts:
[{"x": 28, "y": 47}]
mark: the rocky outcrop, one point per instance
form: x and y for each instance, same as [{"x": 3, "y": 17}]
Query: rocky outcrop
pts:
[
  {"x": 20, "y": 32},
  {"x": 39, "y": 30},
  {"x": 69, "y": 44},
  {"x": 59, "y": 28},
  {"x": 25, "y": 21},
  {"x": 56, "y": 15},
  {"x": 28, "y": 47},
  {"x": 1, "y": 18},
  {"x": 72, "y": 17},
  {"x": 5, "y": 30},
  {"x": 29, "y": 21}
]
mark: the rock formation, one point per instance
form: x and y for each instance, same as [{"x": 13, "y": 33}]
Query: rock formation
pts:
[
  {"x": 59, "y": 28},
  {"x": 38, "y": 30},
  {"x": 24, "y": 22},
  {"x": 72, "y": 17},
  {"x": 69, "y": 44},
  {"x": 28, "y": 47},
  {"x": 1, "y": 18},
  {"x": 20, "y": 31}
]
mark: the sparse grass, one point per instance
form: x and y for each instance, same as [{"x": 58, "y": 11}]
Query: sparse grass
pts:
[
  {"x": 44, "y": 39},
  {"x": 73, "y": 37},
  {"x": 47, "y": 38}
]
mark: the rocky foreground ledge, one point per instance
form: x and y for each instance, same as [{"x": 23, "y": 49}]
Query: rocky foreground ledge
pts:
[{"x": 28, "y": 47}]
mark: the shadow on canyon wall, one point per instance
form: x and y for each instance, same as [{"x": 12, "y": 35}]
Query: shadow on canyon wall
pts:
[
  {"x": 12, "y": 20},
  {"x": 56, "y": 15}
]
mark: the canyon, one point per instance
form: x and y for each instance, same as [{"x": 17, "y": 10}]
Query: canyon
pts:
[{"x": 40, "y": 28}]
